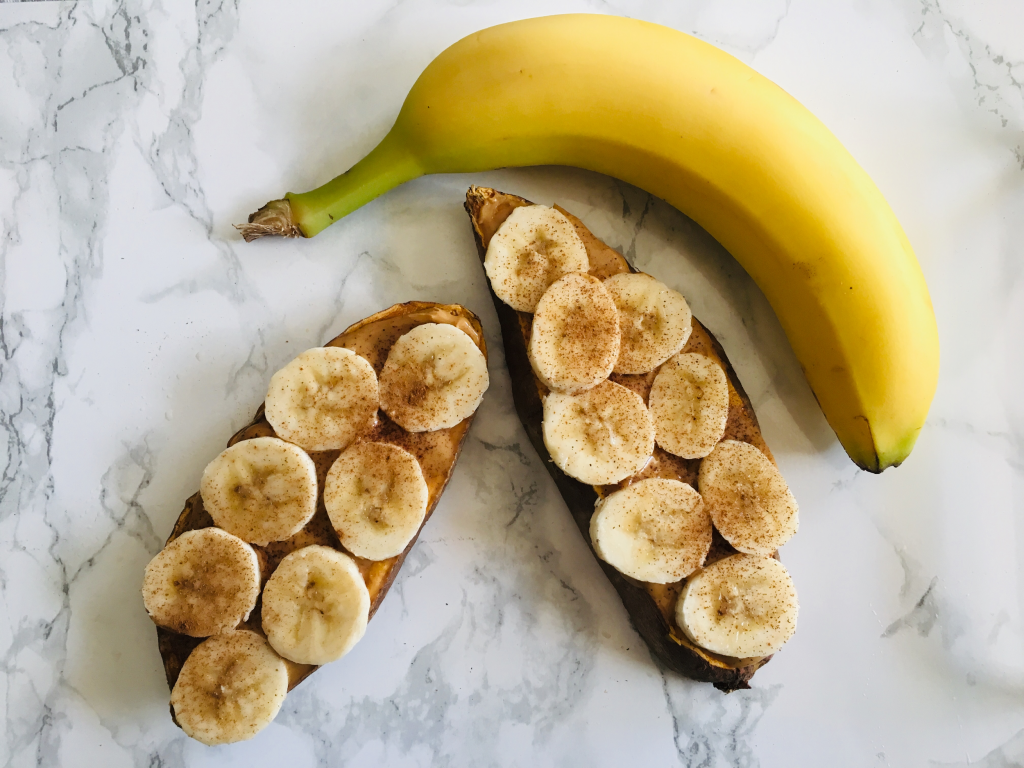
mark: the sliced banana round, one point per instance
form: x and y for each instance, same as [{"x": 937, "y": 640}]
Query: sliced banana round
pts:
[
  {"x": 654, "y": 530},
  {"x": 689, "y": 402},
  {"x": 434, "y": 377},
  {"x": 323, "y": 399},
  {"x": 600, "y": 436},
  {"x": 315, "y": 605},
  {"x": 376, "y": 498},
  {"x": 574, "y": 341},
  {"x": 742, "y": 606},
  {"x": 230, "y": 688},
  {"x": 654, "y": 321},
  {"x": 532, "y": 248},
  {"x": 261, "y": 490},
  {"x": 747, "y": 497},
  {"x": 204, "y": 582}
]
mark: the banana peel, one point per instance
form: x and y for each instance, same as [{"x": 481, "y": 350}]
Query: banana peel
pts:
[{"x": 690, "y": 124}]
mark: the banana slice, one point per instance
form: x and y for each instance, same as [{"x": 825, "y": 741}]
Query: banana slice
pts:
[
  {"x": 261, "y": 490},
  {"x": 654, "y": 530},
  {"x": 654, "y": 321},
  {"x": 749, "y": 501},
  {"x": 689, "y": 402},
  {"x": 534, "y": 246},
  {"x": 434, "y": 377},
  {"x": 323, "y": 399},
  {"x": 741, "y": 606},
  {"x": 230, "y": 688},
  {"x": 204, "y": 582},
  {"x": 376, "y": 498},
  {"x": 315, "y": 605},
  {"x": 600, "y": 436},
  {"x": 574, "y": 342}
]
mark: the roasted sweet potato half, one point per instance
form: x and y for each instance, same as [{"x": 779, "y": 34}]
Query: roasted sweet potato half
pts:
[
  {"x": 436, "y": 451},
  {"x": 650, "y": 606}
]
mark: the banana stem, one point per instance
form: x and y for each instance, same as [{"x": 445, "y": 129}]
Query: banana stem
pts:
[
  {"x": 304, "y": 215},
  {"x": 274, "y": 218}
]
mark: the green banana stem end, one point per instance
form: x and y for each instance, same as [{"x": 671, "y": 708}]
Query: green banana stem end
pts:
[
  {"x": 306, "y": 214},
  {"x": 273, "y": 219}
]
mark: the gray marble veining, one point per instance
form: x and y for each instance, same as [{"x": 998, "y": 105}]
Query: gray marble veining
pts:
[{"x": 138, "y": 332}]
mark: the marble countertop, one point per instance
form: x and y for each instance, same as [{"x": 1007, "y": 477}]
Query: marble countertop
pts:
[{"x": 138, "y": 332}]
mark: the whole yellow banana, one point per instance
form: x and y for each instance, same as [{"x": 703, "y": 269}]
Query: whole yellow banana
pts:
[{"x": 695, "y": 126}]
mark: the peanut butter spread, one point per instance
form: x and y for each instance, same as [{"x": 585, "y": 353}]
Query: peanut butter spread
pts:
[
  {"x": 489, "y": 209},
  {"x": 437, "y": 452}
]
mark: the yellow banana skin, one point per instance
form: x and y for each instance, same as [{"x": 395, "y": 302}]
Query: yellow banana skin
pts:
[{"x": 693, "y": 125}]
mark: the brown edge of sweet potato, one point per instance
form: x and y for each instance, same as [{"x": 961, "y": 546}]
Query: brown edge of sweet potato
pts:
[
  {"x": 175, "y": 648},
  {"x": 580, "y": 498}
]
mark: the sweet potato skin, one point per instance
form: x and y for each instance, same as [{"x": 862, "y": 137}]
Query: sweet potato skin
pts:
[{"x": 650, "y": 621}]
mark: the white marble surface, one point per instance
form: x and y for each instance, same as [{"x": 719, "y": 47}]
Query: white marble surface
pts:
[{"x": 138, "y": 332}]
